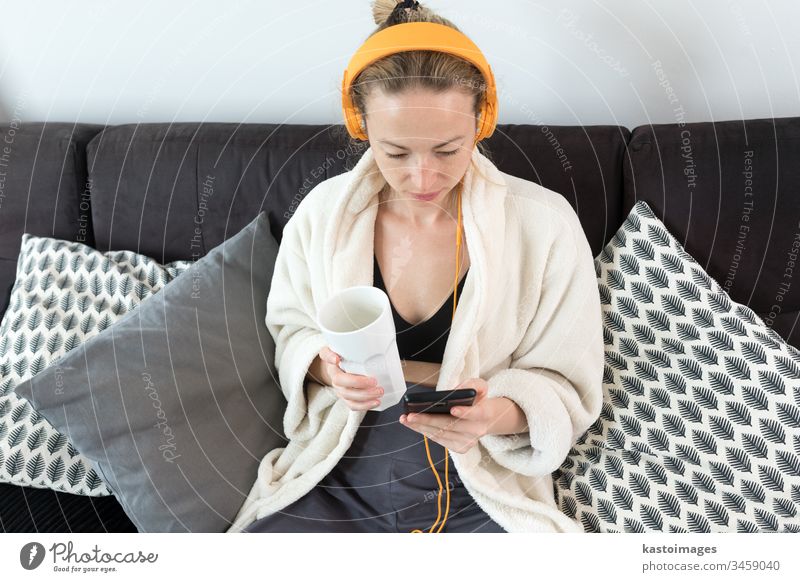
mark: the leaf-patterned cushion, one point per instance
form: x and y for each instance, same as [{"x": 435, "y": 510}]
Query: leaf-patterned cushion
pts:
[
  {"x": 64, "y": 293},
  {"x": 700, "y": 425}
]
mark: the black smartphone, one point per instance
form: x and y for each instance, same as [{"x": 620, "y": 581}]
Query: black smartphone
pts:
[{"x": 438, "y": 401}]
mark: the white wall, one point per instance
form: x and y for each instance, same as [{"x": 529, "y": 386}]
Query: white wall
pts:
[{"x": 624, "y": 62}]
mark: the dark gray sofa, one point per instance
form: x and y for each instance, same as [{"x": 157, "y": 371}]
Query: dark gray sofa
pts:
[{"x": 140, "y": 187}]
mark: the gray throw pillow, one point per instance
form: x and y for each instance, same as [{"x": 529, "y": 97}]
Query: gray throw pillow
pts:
[{"x": 177, "y": 402}]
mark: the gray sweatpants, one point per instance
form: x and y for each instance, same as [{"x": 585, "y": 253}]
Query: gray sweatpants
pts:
[{"x": 383, "y": 483}]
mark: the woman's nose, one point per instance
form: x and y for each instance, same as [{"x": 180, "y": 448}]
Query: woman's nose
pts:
[{"x": 424, "y": 177}]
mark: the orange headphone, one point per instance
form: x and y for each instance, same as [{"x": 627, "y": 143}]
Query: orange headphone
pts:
[
  {"x": 412, "y": 36},
  {"x": 415, "y": 36}
]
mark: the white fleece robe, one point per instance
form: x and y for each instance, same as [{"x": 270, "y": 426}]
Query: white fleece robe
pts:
[{"x": 528, "y": 321}]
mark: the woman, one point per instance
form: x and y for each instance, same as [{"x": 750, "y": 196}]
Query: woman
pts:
[{"x": 526, "y": 333}]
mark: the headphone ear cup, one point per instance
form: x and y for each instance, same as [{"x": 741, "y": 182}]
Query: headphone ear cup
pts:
[
  {"x": 482, "y": 124},
  {"x": 489, "y": 118},
  {"x": 351, "y": 122},
  {"x": 356, "y": 126}
]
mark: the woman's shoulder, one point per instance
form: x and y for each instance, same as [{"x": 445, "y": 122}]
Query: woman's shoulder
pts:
[{"x": 534, "y": 203}]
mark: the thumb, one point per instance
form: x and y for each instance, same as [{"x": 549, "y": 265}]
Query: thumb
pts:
[
  {"x": 482, "y": 389},
  {"x": 478, "y": 385}
]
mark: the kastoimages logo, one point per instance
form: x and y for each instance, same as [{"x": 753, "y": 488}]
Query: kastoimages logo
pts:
[{"x": 31, "y": 555}]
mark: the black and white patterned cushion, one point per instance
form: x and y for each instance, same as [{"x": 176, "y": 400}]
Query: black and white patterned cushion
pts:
[
  {"x": 64, "y": 293},
  {"x": 700, "y": 425}
]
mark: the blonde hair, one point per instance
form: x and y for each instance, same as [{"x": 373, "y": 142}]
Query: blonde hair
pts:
[{"x": 425, "y": 69}]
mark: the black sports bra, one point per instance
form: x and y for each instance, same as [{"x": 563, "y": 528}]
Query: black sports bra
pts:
[{"x": 424, "y": 341}]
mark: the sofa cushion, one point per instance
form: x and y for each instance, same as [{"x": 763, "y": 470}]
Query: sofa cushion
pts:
[
  {"x": 700, "y": 425},
  {"x": 28, "y": 509}
]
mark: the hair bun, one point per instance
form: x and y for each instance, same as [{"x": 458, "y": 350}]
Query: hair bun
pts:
[{"x": 382, "y": 10}]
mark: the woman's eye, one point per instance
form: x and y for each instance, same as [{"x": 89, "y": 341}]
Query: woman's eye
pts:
[{"x": 452, "y": 153}]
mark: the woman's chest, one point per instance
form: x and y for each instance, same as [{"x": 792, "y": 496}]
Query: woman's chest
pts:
[{"x": 418, "y": 267}]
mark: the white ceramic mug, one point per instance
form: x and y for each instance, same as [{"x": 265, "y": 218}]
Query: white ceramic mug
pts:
[{"x": 357, "y": 322}]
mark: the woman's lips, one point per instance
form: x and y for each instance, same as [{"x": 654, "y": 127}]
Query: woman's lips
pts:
[{"x": 425, "y": 197}]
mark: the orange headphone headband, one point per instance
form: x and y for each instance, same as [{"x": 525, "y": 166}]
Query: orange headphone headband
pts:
[{"x": 413, "y": 36}]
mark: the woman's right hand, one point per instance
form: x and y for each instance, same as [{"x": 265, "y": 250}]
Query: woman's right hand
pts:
[{"x": 358, "y": 392}]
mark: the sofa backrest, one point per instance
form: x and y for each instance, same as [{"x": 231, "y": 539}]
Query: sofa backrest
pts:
[
  {"x": 43, "y": 189},
  {"x": 175, "y": 191},
  {"x": 172, "y": 190},
  {"x": 730, "y": 192}
]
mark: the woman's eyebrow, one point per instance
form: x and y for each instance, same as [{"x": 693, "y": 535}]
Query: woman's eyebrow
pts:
[{"x": 436, "y": 146}]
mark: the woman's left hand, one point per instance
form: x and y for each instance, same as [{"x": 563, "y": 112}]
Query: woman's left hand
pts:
[{"x": 460, "y": 430}]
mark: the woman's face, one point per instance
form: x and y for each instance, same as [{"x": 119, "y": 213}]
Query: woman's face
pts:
[{"x": 422, "y": 141}]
